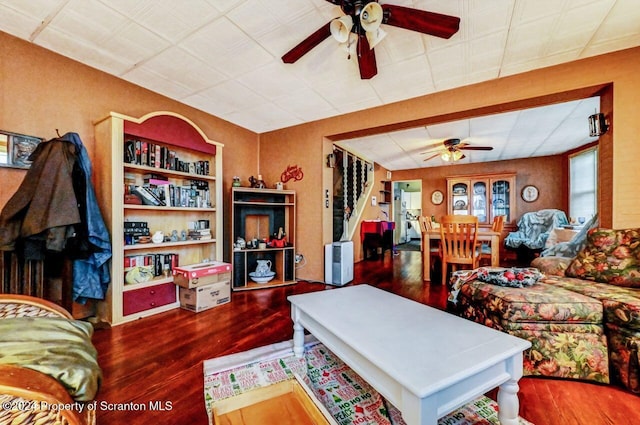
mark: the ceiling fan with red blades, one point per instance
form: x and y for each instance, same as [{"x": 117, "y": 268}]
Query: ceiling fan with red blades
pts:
[
  {"x": 361, "y": 24},
  {"x": 451, "y": 150}
]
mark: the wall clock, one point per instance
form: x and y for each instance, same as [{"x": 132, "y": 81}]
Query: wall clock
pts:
[
  {"x": 529, "y": 193},
  {"x": 437, "y": 197}
]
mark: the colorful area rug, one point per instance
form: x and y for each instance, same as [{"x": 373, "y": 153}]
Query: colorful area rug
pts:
[{"x": 349, "y": 398}]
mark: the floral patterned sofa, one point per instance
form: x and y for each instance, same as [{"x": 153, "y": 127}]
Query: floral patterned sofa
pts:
[{"x": 581, "y": 314}]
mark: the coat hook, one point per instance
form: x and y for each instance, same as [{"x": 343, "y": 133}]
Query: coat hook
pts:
[{"x": 58, "y": 132}]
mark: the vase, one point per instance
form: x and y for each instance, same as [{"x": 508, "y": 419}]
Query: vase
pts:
[{"x": 263, "y": 268}]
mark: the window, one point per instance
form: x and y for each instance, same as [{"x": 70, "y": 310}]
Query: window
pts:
[{"x": 583, "y": 184}]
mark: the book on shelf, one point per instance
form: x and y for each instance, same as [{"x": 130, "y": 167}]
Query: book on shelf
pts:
[{"x": 148, "y": 197}]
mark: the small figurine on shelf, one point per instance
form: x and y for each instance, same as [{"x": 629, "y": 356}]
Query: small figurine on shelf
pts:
[
  {"x": 236, "y": 182},
  {"x": 279, "y": 240},
  {"x": 257, "y": 183}
]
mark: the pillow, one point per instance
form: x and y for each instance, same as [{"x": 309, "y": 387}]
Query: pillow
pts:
[
  {"x": 610, "y": 256},
  {"x": 513, "y": 277},
  {"x": 57, "y": 347},
  {"x": 551, "y": 266},
  {"x": 571, "y": 248}
]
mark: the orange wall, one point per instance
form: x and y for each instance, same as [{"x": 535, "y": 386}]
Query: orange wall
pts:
[
  {"x": 544, "y": 172},
  {"x": 42, "y": 91},
  {"x": 306, "y": 145}
]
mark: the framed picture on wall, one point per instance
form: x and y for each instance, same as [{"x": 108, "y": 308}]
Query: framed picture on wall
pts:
[{"x": 15, "y": 149}]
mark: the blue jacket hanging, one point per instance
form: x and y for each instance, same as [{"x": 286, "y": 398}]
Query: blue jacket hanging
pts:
[{"x": 91, "y": 275}]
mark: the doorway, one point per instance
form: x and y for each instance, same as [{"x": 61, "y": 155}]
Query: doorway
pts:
[{"x": 407, "y": 207}]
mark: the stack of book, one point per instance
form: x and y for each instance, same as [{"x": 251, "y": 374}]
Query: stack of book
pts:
[
  {"x": 134, "y": 230},
  {"x": 150, "y": 154},
  {"x": 199, "y": 234},
  {"x": 159, "y": 262},
  {"x": 158, "y": 190}
]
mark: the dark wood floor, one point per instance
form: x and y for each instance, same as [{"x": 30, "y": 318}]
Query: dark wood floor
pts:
[{"x": 159, "y": 359}]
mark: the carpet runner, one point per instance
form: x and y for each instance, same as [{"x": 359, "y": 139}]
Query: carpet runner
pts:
[{"x": 349, "y": 398}]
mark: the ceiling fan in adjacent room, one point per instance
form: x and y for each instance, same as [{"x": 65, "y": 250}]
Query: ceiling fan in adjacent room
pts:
[
  {"x": 450, "y": 150},
  {"x": 361, "y": 25}
]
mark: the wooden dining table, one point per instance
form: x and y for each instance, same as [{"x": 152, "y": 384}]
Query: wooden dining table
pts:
[{"x": 434, "y": 235}]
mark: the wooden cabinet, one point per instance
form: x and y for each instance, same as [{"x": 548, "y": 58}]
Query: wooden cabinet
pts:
[
  {"x": 181, "y": 173},
  {"x": 485, "y": 196},
  {"x": 266, "y": 216},
  {"x": 385, "y": 192}
]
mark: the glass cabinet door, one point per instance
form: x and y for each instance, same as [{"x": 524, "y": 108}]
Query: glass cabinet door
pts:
[
  {"x": 460, "y": 198},
  {"x": 500, "y": 195},
  {"x": 479, "y": 206}
]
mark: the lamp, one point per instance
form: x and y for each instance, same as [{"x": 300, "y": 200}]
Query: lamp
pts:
[
  {"x": 341, "y": 28},
  {"x": 452, "y": 155},
  {"x": 371, "y": 16},
  {"x": 597, "y": 125},
  {"x": 374, "y": 37}
]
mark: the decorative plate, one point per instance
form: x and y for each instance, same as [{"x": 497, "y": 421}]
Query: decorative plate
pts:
[
  {"x": 459, "y": 205},
  {"x": 437, "y": 197},
  {"x": 529, "y": 193}
]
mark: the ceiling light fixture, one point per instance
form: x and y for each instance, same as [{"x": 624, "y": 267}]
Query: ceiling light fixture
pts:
[
  {"x": 597, "y": 125},
  {"x": 361, "y": 21},
  {"x": 452, "y": 155}
]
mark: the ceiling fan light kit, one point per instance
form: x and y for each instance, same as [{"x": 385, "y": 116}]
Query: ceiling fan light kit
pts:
[
  {"x": 452, "y": 156},
  {"x": 364, "y": 18},
  {"x": 451, "y": 150}
]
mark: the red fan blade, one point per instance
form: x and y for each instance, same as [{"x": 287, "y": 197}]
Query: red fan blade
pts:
[
  {"x": 431, "y": 23},
  {"x": 475, "y": 148},
  {"x": 366, "y": 58},
  {"x": 431, "y": 157},
  {"x": 307, "y": 44}
]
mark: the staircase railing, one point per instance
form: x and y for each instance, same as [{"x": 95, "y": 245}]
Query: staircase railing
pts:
[{"x": 352, "y": 178}]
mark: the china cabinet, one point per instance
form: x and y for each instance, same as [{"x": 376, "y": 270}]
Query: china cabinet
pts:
[
  {"x": 485, "y": 196},
  {"x": 263, "y": 223},
  {"x": 159, "y": 180}
]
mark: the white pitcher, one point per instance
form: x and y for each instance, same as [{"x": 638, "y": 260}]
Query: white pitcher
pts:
[{"x": 263, "y": 268}]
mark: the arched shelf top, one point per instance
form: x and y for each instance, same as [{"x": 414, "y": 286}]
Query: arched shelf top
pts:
[{"x": 169, "y": 127}]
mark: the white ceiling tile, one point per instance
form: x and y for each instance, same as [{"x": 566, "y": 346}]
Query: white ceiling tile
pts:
[
  {"x": 75, "y": 48},
  {"x": 262, "y": 117},
  {"x": 306, "y": 104},
  {"x": 224, "y": 57},
  {"x": 390, "y": 83},
  {"x": 178, "y": 65},
  {"x": 170, "y": 19},
  {"x": 147, "y": 77},
  {"x": 17, "y": 23},
  {"x": 226, "y": 48}
]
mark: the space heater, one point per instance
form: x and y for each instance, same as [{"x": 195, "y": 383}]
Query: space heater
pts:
[{"x": 338, "y": 263}]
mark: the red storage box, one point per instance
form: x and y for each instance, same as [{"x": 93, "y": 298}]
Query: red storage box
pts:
[{"x": 194, "y": 275}]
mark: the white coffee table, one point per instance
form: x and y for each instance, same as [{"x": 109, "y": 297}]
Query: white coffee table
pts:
[{"x": 426, "y": 362}]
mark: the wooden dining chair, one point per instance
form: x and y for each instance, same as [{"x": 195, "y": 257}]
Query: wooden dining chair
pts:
[
  {"x": 434, "y": 250},
  {"x": 458, "y": 238},
  {"x": 485, "y": 247}
]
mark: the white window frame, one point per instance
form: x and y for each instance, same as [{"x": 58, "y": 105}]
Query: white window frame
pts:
[{"x": 583, "y": 192}]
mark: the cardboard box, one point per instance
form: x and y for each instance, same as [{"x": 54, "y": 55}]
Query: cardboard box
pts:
[
  {"x": 200, "y": 274},
  {"x": 205, "y": 297},
  {"x": 267, "y": 405}
]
